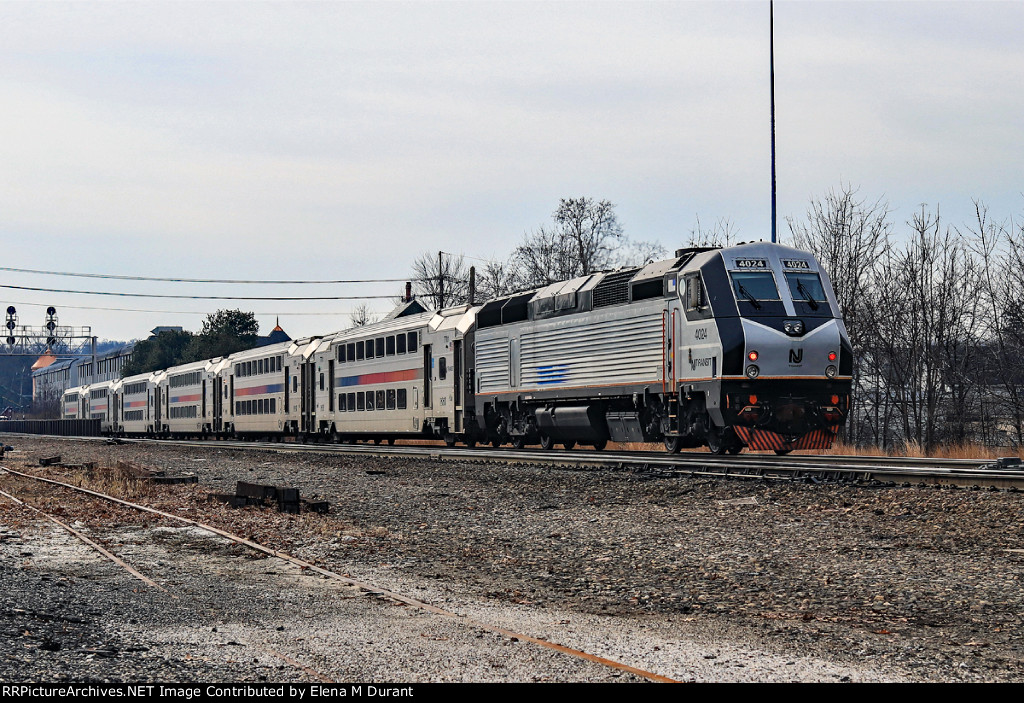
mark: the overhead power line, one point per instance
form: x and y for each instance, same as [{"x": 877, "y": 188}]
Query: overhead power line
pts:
[
  {"x": 196, "y": 280},
  {"x": 282, "y": 313},
  {"x": 201, "y": 297}
]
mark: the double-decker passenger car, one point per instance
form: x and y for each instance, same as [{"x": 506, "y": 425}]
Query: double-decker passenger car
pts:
[{"x": 397, "y": 378}]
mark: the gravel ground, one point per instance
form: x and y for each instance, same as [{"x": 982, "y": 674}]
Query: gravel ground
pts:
[{"x": 705, "y": 580}]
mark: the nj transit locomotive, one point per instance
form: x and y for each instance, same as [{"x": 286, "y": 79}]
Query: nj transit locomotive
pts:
[{"x": 718, "y": 347}]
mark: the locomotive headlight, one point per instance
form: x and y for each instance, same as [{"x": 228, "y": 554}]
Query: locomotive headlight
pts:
[
  {"x": 752, "y": 370},
  {"x": 752, "y": 355},
  {"x": 831, "y": 371}
]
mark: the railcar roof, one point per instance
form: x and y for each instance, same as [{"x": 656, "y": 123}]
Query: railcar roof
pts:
[{"x": 376, "y": 329}]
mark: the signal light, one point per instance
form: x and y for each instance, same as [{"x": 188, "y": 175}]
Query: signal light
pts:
[
  {"x": 832, "y": 356},
  {"x": 752, "y": 355},
  {"x": 753, "y": 400},
  {"x": 12, "y": 322},
  {"x": 51, "y": 325},
  {"x": 835, "y": 400}
]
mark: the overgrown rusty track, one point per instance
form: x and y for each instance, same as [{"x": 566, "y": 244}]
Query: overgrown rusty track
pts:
[{"x": 391, "y": 595}]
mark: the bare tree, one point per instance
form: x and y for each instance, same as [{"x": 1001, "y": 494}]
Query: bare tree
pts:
[
  {"x": 441, "y": 279},
  {"x": 498, "y": 278},
  {"x": 361, "y": 316},
  {"x": 543, "y": 258},
  {"x": 924, "y": 345},
  {"x": 582, "y": 240},
  {"x": 720, "y": 234},
  {"x": 848, "y": 235},
  {"x": 639, "y": 253},
  {"x": 1000, "y": 249},
  {"x": 592, "y": 230}
]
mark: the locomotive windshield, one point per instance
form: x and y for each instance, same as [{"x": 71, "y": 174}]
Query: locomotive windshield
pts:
[
  {"x": 756, "y": 292},
  {"x": 808, "y": 293},
  {"x": 754, "y": 286}
]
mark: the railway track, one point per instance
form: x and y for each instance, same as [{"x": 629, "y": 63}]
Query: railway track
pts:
[
  {"x": 873, "y": 470},
  {"x": 528, "y": 549},
  {"x": 397, "y": 598}
]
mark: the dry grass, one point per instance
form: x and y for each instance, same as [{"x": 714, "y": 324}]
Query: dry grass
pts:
[
  {"x": 115, "y": 482},
  {"x": 913, "y": 449}
]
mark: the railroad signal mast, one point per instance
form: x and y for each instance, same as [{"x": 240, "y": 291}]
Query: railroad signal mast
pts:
[{"x": 25, "y": 340}]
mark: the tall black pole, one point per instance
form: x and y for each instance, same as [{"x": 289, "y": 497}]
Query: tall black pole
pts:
[
  {"x": 440, "y": 281},
  {"x": 771, "y": 51}
]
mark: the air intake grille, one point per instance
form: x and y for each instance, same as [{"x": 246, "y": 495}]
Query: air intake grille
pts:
[{"x": 614, "y": 289}]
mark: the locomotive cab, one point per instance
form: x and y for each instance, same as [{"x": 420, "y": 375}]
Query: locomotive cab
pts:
[{"x": 764, "y": 358}]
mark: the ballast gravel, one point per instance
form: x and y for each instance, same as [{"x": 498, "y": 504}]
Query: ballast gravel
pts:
[{"x": 692, "y": 579}]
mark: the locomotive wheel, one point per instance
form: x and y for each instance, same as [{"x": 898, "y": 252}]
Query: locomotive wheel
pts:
[
  {"x": 570, "y": 444},
  {"x": 449, "y": 439},
  {"x": 495, "y": 443},
  {"x": 519, "y": 441},
  {"x": 601, "y": 444},
  {"x": 546, "y": 442},
  {"x": 716, "y": 442},
  {"x": 673, "y": 444},
  {"x": 735, "y": 448},
  {"x": 470, "y": 442},
  {"x": 391, "y": 441},
  {"x": 783, "y": 452}
]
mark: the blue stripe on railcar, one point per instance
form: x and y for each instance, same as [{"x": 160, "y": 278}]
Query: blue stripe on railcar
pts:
[{"x": 549, "y": 375}]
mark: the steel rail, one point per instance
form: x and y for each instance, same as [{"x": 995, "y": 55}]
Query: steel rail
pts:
[
  {"x": 145, "y": 579},
  {"x": 834, "y": 467},
  {"x": 845, "y": 467},
  {"x": 392, "y": 595},
  {"x": 148, "y": 581}
]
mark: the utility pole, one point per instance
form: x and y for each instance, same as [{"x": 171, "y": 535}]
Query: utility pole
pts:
[
  {"x": 771, "y": 52},
  {"x": 440, "y": 281}
]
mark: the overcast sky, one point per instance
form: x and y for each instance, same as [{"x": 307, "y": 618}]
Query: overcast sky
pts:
[{"x": 340, "y": 140}]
